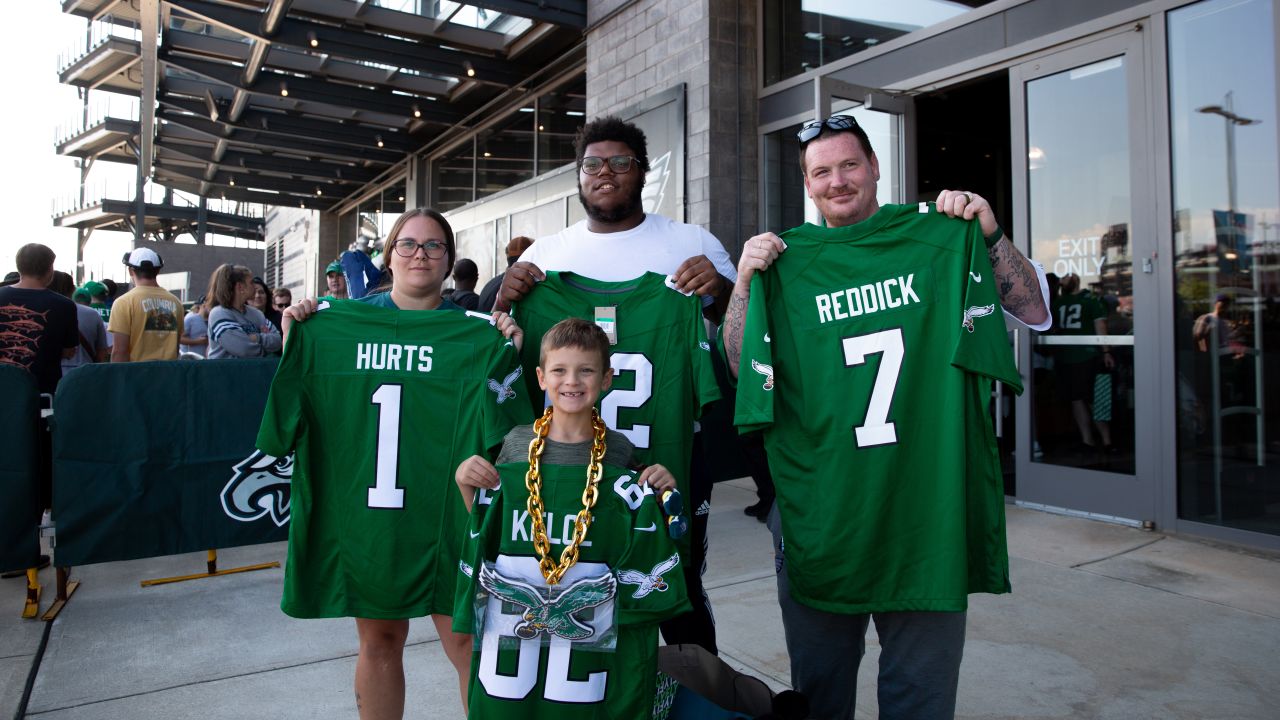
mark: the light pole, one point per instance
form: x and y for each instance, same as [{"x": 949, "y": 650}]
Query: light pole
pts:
[{"x": 1226, "y": 111}]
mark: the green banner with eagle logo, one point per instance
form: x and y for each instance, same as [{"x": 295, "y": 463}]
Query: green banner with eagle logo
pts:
[{"x": 158, "y": 458}]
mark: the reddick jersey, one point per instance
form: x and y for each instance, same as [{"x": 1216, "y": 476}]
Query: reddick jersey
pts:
[
  {"x": 662, "y": 374},
  {"x": 381, "y": 406},
  {"x": 586, "y": 648},
  {"x": 867, "y": 360}
]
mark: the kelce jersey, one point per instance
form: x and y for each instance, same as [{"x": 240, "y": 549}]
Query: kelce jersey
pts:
[
  {"x": 662, "y": 374},
  {"x": 381, "y": 406},
  {"x": 541, "y": 659},
  {"x": 867, "y": 357}
]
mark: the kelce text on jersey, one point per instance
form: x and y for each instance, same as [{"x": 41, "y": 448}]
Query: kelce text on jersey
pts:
[
  {"x": 866, "y": 299},
  {"x": 393, "y": 356}
]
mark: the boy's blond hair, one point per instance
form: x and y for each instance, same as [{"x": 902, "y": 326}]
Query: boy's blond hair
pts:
[{"x": 575, "y": 333}]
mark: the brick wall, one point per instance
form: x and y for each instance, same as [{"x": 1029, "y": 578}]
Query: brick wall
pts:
[{"x": 639, "y": 49}]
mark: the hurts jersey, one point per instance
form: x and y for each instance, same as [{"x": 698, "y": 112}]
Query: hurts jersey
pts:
[
  {"x": 662, "y": 374},
  {"x": 867, "y": 361},
  {"x": 381, "y": 406},
  {"x": 587, "y": 649}
]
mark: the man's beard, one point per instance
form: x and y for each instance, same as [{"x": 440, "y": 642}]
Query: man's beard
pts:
[{"x": 630, "y": 208}]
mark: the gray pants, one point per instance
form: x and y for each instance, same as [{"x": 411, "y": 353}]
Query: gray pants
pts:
[{"x": 920, "y": 655}]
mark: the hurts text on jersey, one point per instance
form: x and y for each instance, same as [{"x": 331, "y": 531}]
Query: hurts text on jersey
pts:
[
  {"x": 866, "y": 299},
  {"x": 521, "y": 528},
  {"x": 393, "y": 356}
]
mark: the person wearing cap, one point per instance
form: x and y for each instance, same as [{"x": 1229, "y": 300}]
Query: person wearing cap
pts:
[
  {"x": 195, "y": 329},
  {"x": 147, "y": 321},
  {"x": 489, "y": 294},
  {"x": 336, "y": 280},
  {"x": 98, "y": 293},
  {"x": 11, "y": 278}
]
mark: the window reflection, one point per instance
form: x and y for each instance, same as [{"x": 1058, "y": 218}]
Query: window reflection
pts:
[
  {"x": 1226, "y": 203},
  {"x": 1078, "y": 180},
  {"x": 804, "y": 34}
]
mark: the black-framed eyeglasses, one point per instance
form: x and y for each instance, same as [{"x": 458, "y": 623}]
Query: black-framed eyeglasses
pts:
[
  {"x": 282, "y": 305},
  {"x": 408, "y": 248},
  {"x": 813, "y": 128},
  {"x": 618, "y": 164}
]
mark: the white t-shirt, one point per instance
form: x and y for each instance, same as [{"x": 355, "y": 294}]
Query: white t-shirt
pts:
[{"x": 657, "y": 245}]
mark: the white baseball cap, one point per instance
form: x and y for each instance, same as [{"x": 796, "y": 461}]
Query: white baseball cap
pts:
[{"x": 143, "y": 258}]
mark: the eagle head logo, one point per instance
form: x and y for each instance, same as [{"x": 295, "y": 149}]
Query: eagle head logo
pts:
[
  {"x": 976, "y": 311},
  {"x": 260, "y": 486}
]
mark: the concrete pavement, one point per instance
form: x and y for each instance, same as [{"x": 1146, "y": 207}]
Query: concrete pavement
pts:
[{"x": 1104, "y": 622}]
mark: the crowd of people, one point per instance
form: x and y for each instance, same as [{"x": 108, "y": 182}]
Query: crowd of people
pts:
[{"x": 883, "y": 469}]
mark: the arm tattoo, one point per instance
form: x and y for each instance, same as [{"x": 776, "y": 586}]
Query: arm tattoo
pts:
[
  {"x": 1016, "y": 281},
  {"x": 734, "y": 322}
]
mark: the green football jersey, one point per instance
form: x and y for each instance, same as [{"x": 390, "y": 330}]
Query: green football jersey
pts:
[
  {"x": 1075, "y": 314},
  {"x": 867, "y": 359},
  {"x": 662, "y": 373},
  {"x": 584, "y": 649},
  {"x": 381, "y": 406}
]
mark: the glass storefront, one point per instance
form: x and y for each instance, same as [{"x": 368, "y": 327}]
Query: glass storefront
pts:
[
  {"x": 1078, "y": 185},
  {"x": 804, "y": 34},
  {"x": 1226, "y": 243}
]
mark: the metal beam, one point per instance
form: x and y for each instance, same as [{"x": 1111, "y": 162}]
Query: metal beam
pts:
[
  {"x": 198, "y": 128},
  {"x": 423, "y": 56},
  {"x": 337, "y": 95},
  {"x": 314, "y": 170},
  {"x": 150, "y": 24},
  {"x": 301, "y": 127},
  {"x": 569, "y": 13}
]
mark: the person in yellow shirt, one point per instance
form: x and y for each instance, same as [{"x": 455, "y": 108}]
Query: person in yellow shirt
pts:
[{"x": 146, "y": 322}]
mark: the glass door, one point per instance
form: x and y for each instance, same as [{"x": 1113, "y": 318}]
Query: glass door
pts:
[{"x": 1083, "y": 201}]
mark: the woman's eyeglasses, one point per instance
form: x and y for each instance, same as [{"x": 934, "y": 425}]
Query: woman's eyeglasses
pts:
[{"x": 409, "y": 248}]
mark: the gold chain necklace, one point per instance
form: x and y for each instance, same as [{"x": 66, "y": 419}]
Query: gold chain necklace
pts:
[{"x": 533, "y": 481}]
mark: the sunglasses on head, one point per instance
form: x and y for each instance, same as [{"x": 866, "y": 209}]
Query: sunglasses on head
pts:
[{"x": 813, "y": 128}]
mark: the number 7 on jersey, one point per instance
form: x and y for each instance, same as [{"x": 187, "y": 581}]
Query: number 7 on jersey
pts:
[{"x": 876, "y": 428}]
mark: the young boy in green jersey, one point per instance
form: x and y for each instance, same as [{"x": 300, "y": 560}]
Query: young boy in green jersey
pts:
[{"x": 596, "y": 602}]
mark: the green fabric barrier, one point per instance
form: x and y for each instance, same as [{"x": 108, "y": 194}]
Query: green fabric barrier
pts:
[
  {"x": 19, "y": 509},
  {"x": 143, "y": 453}
]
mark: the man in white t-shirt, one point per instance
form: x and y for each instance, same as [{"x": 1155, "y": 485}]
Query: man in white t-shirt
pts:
[{"x": 619, "y": 241}]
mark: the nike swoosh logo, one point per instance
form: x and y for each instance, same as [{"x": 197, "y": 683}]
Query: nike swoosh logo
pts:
[
  {"x": 473, "y": 535},
  {"x": 653, "y": 527},
  {"x": 976, "y": 277}
]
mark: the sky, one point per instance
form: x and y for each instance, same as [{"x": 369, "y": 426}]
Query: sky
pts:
[{"x": 35, "y": 174}]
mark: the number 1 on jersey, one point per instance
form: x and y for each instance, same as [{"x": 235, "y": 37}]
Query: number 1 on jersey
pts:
[
  {"x": 876, "y": 428},
  {"x": 384, "y": 493}
]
